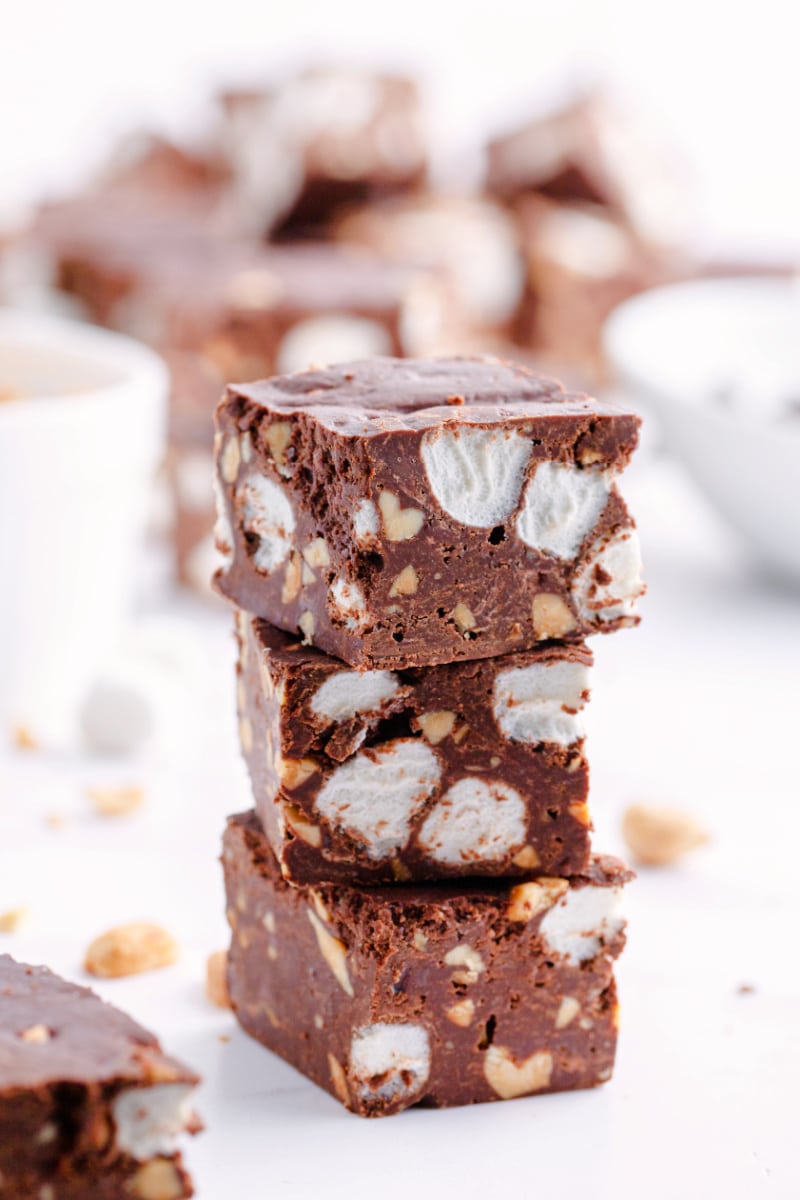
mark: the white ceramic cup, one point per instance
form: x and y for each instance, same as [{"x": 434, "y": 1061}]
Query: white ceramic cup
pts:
[
  {"x": 672, "y": 347},
  {"x": 80, "y": 441}
]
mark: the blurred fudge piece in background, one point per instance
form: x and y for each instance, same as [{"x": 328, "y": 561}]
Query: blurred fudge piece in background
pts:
[
  {"x": 321, "y": 139},
  {"x": 471, "y": 240}
]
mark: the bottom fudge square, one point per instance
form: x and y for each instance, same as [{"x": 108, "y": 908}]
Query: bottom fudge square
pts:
[
  {"x": 89, "y": 1104},
  {"x": 435, "y": 995}
]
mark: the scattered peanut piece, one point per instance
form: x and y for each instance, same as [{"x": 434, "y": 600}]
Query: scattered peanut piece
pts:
[
  {"x": 657, "y": 836},
  {"x": 8, "y": 393},
  {"x": 130, "y": 949},
  {"x": 116, "y": 801},
  {"x": 217, "y": 979},
  {"x": 54, "y": 820},
  {"x": 10, "y": 921},
  {"x": 23, "y": 739}
]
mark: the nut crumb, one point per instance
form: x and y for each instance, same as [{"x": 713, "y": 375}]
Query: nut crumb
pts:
[
  {"x": 658, "y": 836},
  {"x": 399, "y": 524},
  {"x": 37, "y": 1035},
  {"x": 746, "y": 989},
  {"x": 55, "y": 820},
  {"x": 23, "y": 739},
  {"x": 551, "y": 617},
  {"x": 406, "y": 583},
  {"x": 10, "y": 921},
  {"x": 217, "y": 979},
  {"x": 130, "y": 950},
  {"x": 115, "y": 802},
  {"x": 463, "y": 618},
  {"x": 157, "y": 1180}
]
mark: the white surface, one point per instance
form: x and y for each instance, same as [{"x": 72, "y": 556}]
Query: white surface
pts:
[
  {"x": 697, "y": 708},
  {"x": 718, "y": 361},
  {"x": 73, "y": 503}
]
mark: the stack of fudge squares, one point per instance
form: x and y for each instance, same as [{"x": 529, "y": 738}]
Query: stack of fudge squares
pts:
[{"x": 417, "y": 550}]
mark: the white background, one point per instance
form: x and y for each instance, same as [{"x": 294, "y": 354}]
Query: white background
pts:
[{"x": 719, "y": 78}]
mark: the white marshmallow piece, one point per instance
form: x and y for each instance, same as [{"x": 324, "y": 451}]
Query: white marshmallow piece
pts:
[
  {"x": 347, "y": 693},
  {"x": 560, "y": 507},
  {"x": 580, "y": 920},
  {"x": 149, "y": 1120},
  {"x": 476, "y": 474},
  {"x": 267, "y": 512},
  {"x": 389, "y": 1060},
  {"x": 319, "y": 341},
  {"x": 476, "y": 821},
  {"x": 347, "y": 599},
  {"x": 375, "y": 795},
  {"x": 366, "y": 524},
  {"x": 617, "y": 560},
  {"x": 541, "y": 702}
]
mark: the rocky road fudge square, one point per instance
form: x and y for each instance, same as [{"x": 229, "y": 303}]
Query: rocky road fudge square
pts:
[
  {"x": 470, "y": 768},
  {"x": 413, "y": 512},
  {"x": 434, "y": 995},
  {"x": 89, "y": 1103}
]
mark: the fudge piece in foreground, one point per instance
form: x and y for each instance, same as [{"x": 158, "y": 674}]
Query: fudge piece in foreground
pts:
[
  {"x": 435, "y": 995},
  {"x": 422, "y": 511},
  {"x": 89, "y": 1104},
  {"x": 471, "y": 768}
]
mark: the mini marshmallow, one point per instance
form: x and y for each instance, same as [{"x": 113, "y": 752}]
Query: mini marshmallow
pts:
[
  {"x": 267, "y": 512},
  {"x": 475, "y": 821},
  {"x": 538, "y": 703},
  {"x": 347, "y": 599},
  {"x": 366, "y": 524},
  {"x": 579, "y": 921},
  {"x": 318, "y": 341},
  {"x": 148, "y": 1120},
  {"x": 343, "y": 695},
  {"x": 375, "y": 795},
  {"x": 560, "y": 507},
  {"x": 619, "y": 561},
  {"x": 476, "y": 474},
  {"x": 397, "y": 1057}
]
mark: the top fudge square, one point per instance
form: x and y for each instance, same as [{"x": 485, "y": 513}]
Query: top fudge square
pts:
[{"x": 414, "y": 512}]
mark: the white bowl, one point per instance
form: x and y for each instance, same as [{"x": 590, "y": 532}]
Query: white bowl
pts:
[
  {"x": 79, "y": 448},
  {"x": 718, "y": 362}
]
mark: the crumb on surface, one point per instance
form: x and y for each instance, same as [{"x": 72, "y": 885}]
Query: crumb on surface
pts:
[
  {"x": 115, "y": 801},
  {"x": 11, "y": 920}
]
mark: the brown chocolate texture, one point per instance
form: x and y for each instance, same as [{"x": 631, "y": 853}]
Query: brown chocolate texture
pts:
[
  {"x": 440, "y": 995},
  {"x": 66, "y": 1058},
  {"x": 472, "y": 768},
  {"x": 460, "y": 509}
]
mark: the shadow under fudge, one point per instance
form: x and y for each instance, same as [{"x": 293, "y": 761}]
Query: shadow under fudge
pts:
[
  {"x": 435, "y": 995},
  {"x": 413, "y": 512},
  {"x": 471, "y": 768}
]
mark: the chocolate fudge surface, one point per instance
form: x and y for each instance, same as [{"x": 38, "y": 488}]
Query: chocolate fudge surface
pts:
[
  {"x": 89, "y": 1103},
  {"x": 436, "y": 995},
  {"x": 412, "y": 512},
  {"x": 470, "y": 768}
]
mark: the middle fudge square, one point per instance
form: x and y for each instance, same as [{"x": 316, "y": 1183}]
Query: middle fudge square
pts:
[
  {"x": 414, "y": 512},
  {"x": 421, "y": 773}
]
